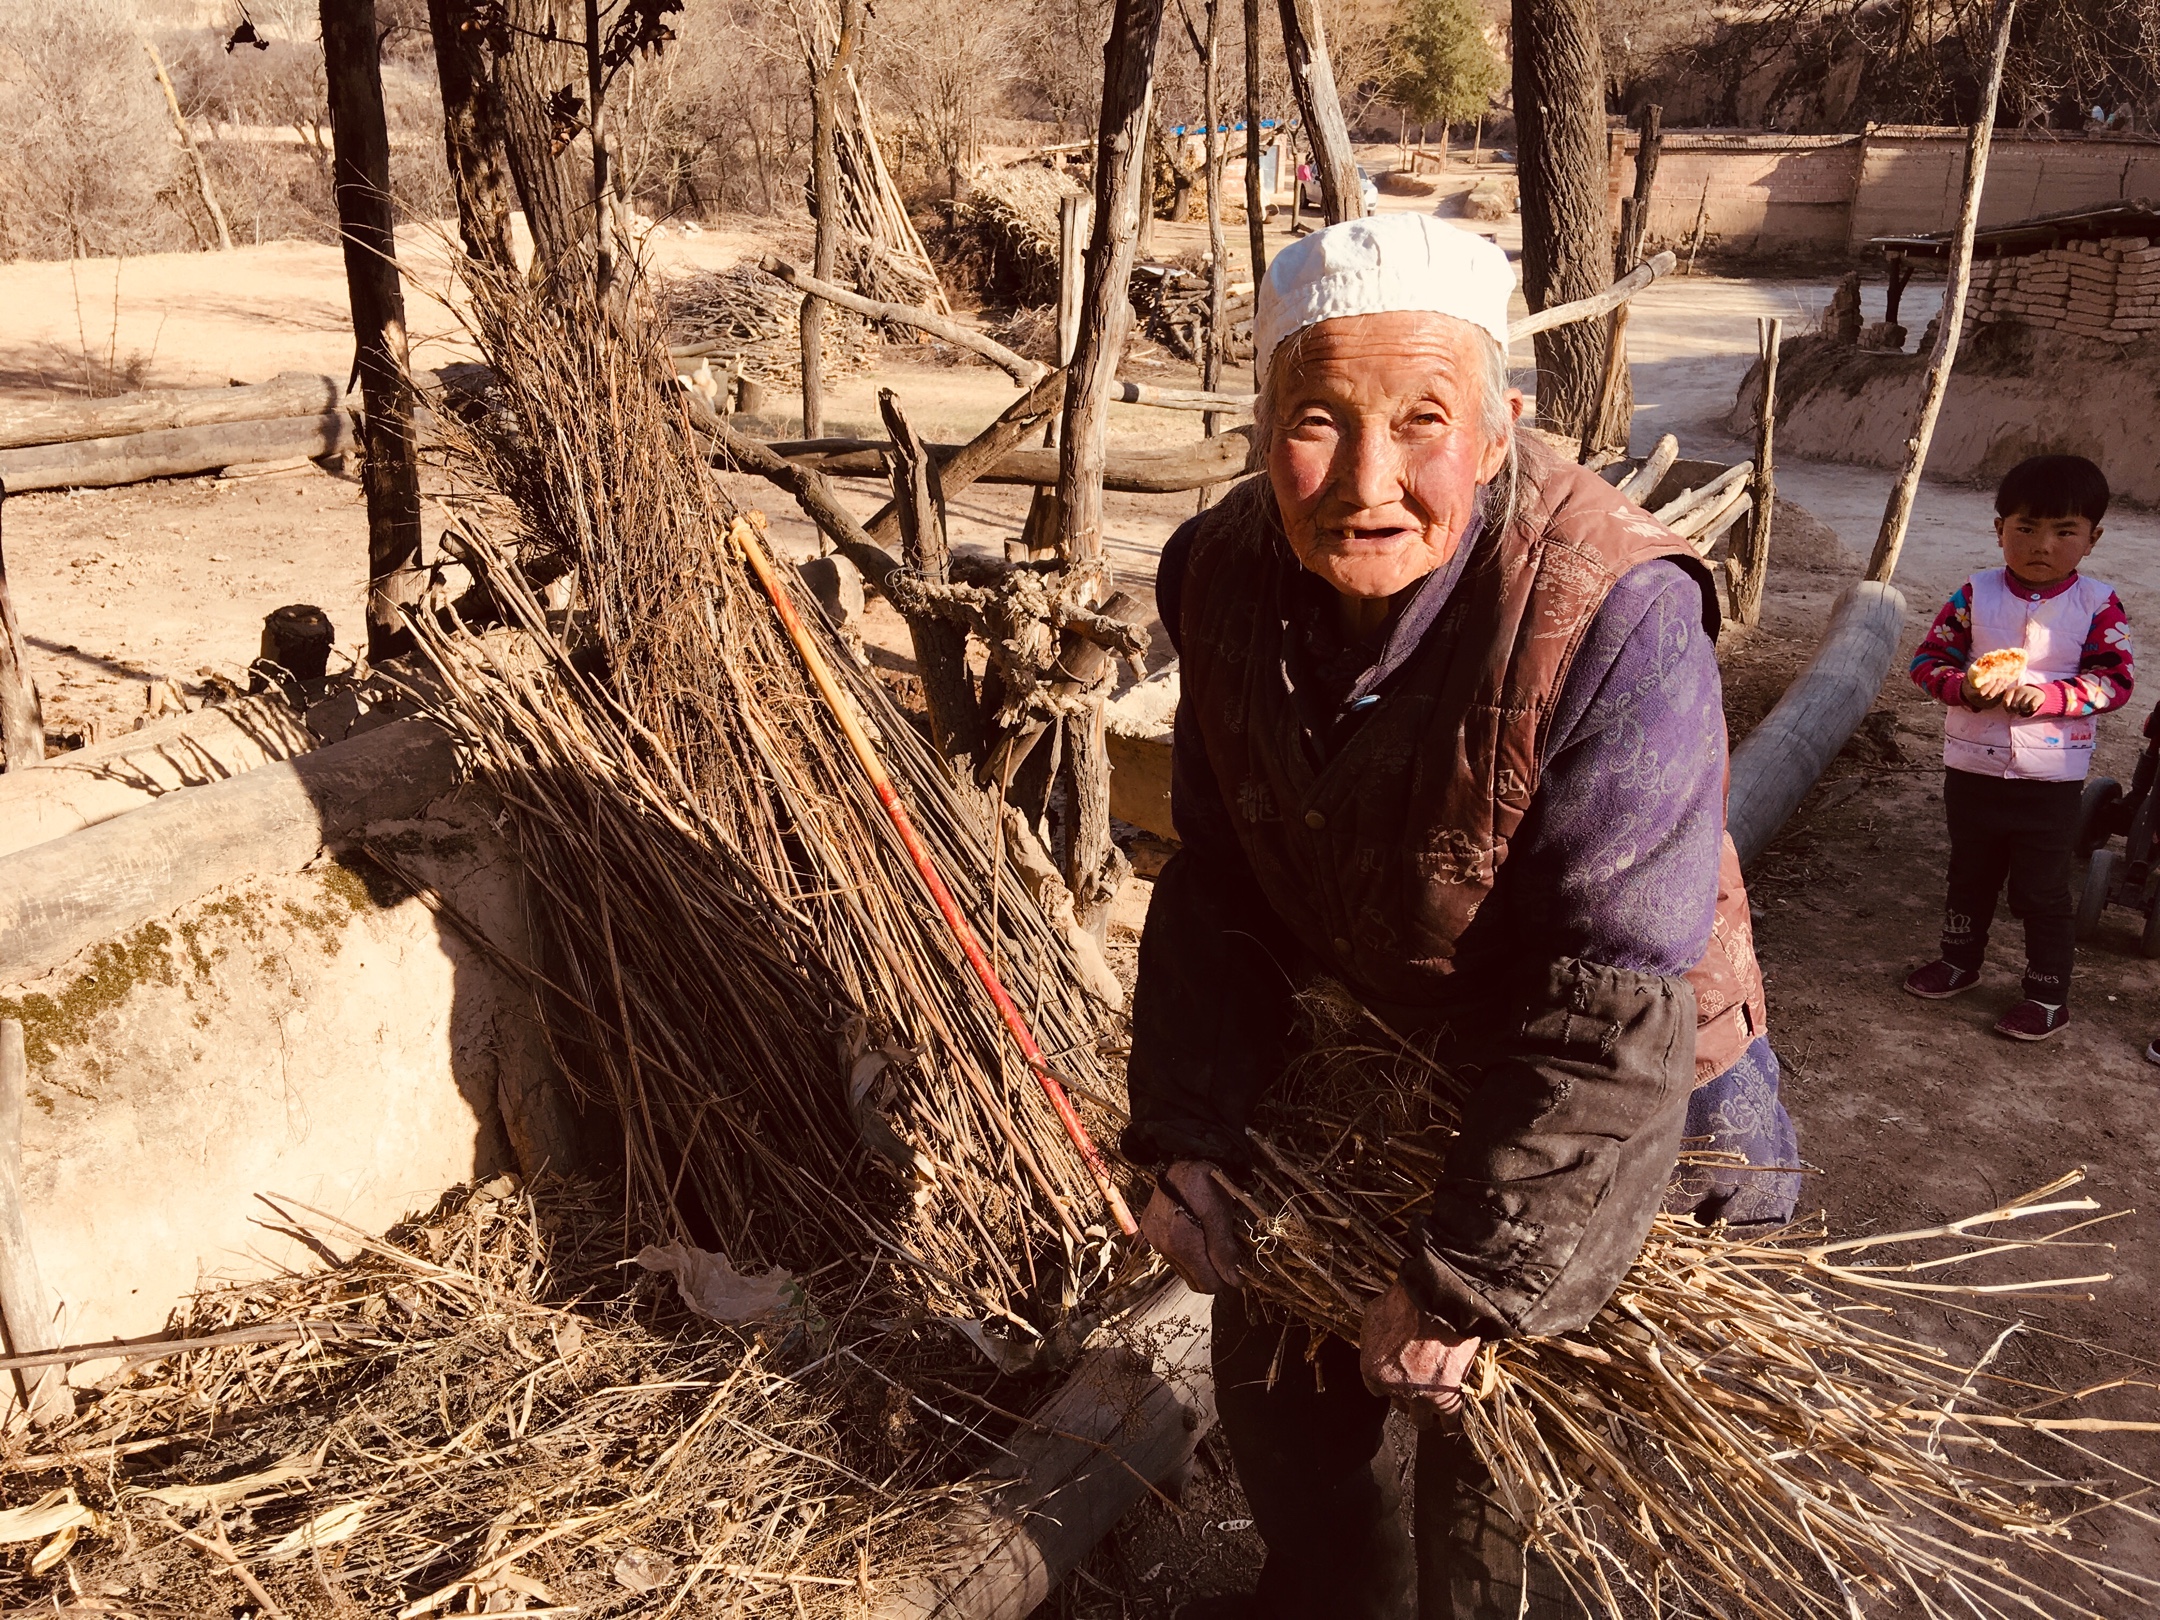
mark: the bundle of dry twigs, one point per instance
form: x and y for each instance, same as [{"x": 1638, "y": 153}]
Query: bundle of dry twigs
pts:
[
  {"x": 487, "y": 1411},
  {"x": 1744, "y": 1429},
  {"x": 742, "y": 316},
  {"x": 741, "y": 960}
]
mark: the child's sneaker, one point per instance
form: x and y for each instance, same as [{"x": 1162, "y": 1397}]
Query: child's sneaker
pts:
[
  {"x": 2032, "y": 1021},
  {"x": 1939, "y": 980}
]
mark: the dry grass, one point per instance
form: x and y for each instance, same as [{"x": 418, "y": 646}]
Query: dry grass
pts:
[
  {"x": 1746, "y": 1428},
  {"x": 492, "y": 1413}
]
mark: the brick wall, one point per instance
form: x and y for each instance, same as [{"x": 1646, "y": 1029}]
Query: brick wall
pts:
[{"x": 2105, "y": 290}]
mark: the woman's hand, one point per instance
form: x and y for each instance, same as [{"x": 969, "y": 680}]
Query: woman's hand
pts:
[
  {"x": 1193, "y": 1225},
  {"x": 2023, "y": 699},
  {"x": 1413, "y": 1359}
]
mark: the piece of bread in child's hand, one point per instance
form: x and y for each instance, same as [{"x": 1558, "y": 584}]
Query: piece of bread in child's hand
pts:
[{"x": 1996, "y": 672}]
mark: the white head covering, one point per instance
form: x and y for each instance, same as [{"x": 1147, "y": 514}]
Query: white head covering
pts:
[{"x": 1384, "y": 262}]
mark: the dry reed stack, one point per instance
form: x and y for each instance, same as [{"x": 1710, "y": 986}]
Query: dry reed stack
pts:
[
  {"x": 742, "y": 961},
  {"x": 1745, "y": 1428},
  {"x": 1005, "y": 231},
  {"x": 486, "y": 1411}
]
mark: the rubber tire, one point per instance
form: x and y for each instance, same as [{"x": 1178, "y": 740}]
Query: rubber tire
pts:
[
  {"x": 2093, "y": 898},
  {"x": 2102, "y": 795}
]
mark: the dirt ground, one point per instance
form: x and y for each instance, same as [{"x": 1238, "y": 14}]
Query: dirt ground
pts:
[{"x": 1910, "y": 1111}]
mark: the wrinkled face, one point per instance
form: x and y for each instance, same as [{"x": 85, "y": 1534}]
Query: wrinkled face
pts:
[
  {"x": 2040, "y": 550},
  {"x": 1379, "y": 445}
]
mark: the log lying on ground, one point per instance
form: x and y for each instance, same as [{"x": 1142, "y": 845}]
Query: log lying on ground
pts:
[
  {"x": 1141, "y": 472},
  {"x": 174, "y": 452},
  {"x": 125, "y": 773},
  {"x": 1132, "y": 1411},
  {"x": 60, "y": 421},
  {"x": 1779, "y": 760},
  {"x": 60, "y": 897}
]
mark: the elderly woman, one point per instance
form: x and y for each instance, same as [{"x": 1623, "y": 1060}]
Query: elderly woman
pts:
[{"x": 1450, "y": 733}]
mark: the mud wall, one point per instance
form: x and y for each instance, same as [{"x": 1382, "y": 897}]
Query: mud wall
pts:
[
  {"x": 324, "y": 1034},
  {"x": 1834, "y": 193},
  {"x": 2015, "y": 393}
]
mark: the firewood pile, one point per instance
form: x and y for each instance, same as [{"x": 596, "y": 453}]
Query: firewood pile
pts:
[{"x": 739, "y": 316}]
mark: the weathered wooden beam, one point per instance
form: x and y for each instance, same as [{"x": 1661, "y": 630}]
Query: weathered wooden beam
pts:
[
  {"x": 1023, "y": 371},
  {"x": 108, "y": 779},
  {"x": 1751, "y": 553},
  {"x": 1779, "y": 760},
  {"x": 390, "y": 473},
  {"x": 1144, "y": 472},
  {"x": 60, "y": 897},
  {"x": 1134, "y": 1410},
  {"x": 131, "y": 458},
  {"x": 22, "y": 720},
  {"x": 1583, "y": 309},
  {"x": 289, "y": 393}
]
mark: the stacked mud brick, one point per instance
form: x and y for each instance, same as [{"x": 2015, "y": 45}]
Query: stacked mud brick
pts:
[{"x": 2108, "y": 290}]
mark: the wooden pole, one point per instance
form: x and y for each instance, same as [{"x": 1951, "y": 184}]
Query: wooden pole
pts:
[
  {"x": 1255, "y": 204},
  {"x": 187, "y": 144},
  {"x": 23, "y": 1300},
  {"x": 1897, "y": 511},
  {"x": 1613, "y": 421},
  {"x": 1091, "y": 863},
  {"x": 825, "y": 195},
  {"x": 475, "y": 132},
  {"x": 390, "y": 474},
  {"x": 956, "y": 720},
  {"x": 1312, "y": 75},
  {"x": 1752, "y": 564},
  {"x": 22, "y": 721},
  {"x": 1702, "y": 219}
]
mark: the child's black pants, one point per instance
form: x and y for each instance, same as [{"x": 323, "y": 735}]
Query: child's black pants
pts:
[{"x": 2006, "y": 828}]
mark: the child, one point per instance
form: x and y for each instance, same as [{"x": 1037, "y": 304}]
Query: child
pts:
[{"x": 2016, "y": 745}]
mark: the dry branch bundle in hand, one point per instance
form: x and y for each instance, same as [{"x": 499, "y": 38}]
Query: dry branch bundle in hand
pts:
[{"x": 1744, "y": 1428}]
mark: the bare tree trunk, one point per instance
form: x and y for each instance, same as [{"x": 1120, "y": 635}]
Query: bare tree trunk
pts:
[
  {"x": 1255, "y": 205},
  {"x": 1313, "y": 76},
  {"x": 825, "y": 193},
  {"x": 390, "y": 474},
  {"x": 475, "y": 133},
  {"x": 187, "y": 142},
  {"x": 1121, "y": 183},
  {"x": 603, "y": 214},
  {"x": 22, "y": 721},
  {"x": 1567, "y": 234},
  {"x": 956, "y": 719},
  {"x": 533, "y": 65}
]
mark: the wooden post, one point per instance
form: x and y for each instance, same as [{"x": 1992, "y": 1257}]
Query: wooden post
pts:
[
  {"x": 23, "y": 1300},
  {"x": 187, "y": 144},
  {"x": 1255, "y": 204},
  {"x": 1312, "y": 75},
  {"x": 390, "y": 474},
  {"x": 1752, "y": 558},
  {"x": 1897, "y": 511},
  {"x": 1702, "y": 219},
  {"x": 475, "y": 133},
  {"x": 1613, "y": 421},
  {"x": 1901, "y": 269},
  {"x": 1120, "y": 195},
  {"x": 22, "y": 721},
  {"x": 825, "y": 193},
  {"x": 956, "y": 720}
]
